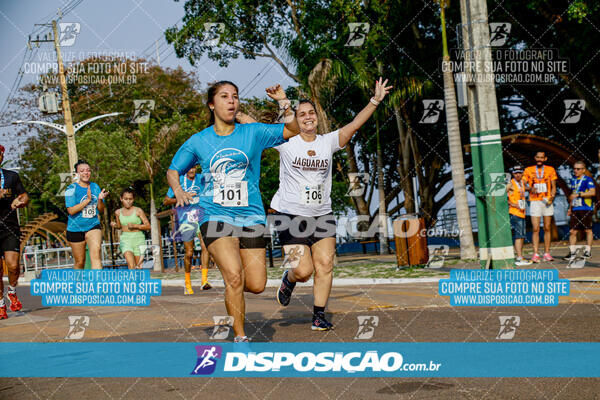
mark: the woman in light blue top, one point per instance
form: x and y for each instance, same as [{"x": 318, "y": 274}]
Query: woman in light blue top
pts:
[
  {"x": 233, "y": 222},
  {"x": 84, "y": 200}
]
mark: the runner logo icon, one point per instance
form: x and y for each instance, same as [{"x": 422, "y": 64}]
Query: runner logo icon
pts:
[
  {"x": 222, "y": 326},
  {"x": 142, "y": 109},
  {"x": 498, "y": 183},
  {"x": 68, "y": 33},
  {"x": 358, "y": 183},
  {"x": 207, "y": 359},
  {"x": 499, "y": 32},
  {"x": 366, "y": 326},
  {"x": 578, "y": 258},
  {"x": 431, "y": 111},
  {"x": 358, "y": 33},
  {"x": 508, "y": 326},
  {"x": 573, "y": 110},
  {"x": 77, "y": 325},
  {"x": 437, "y": 255},
  {"x": 212, "y": 33}
]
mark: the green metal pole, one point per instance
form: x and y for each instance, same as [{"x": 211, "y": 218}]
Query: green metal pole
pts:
[{"x": 495, "y": 239}]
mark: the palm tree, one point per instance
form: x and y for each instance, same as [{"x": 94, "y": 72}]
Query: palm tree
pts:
[
  {"x": 467, "y": 245},
  {"x": 151, "y": 146}
]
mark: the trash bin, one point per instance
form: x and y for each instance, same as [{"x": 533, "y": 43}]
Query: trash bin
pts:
[{"x": 410, "y": 236}]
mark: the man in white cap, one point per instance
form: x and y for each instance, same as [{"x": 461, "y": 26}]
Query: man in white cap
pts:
[{"x": 516, "y": 208}]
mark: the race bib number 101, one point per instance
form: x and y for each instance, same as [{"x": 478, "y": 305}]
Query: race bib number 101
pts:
[{"x": 234, "y": 194}]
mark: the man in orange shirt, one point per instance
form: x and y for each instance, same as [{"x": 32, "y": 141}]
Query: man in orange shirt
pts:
[
  {"x": 540, "y": 180},
  {"x": 516, "y": 209}
]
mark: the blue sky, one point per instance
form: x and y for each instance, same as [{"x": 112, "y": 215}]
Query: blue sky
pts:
[{"x": 132, "y": 26}]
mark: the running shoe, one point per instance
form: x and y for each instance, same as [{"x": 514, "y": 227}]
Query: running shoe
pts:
[
  {"x": 521, "y": 261},
  {"x": 535, "y": 258},
  {"x": 206, "y": 286},
  {"x": 569, "y": 256},
  {"x": 319, "y": 323},
  {"x": 284, "y": 294},
  {"x": 241, "y": 339},
  {"x": 3, "y": 314},
  {"x": 187, "y": 289},
  {"x": 548, "y": 257},
  {"x": 15, "y": 304},
  {"x": 587, "y": 254}
]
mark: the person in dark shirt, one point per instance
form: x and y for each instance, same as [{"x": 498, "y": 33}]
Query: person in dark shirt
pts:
[{"x": 12, "y": 196}]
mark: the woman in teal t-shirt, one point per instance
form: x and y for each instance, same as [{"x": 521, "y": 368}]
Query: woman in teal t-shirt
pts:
[
  {"x": 232, "y": 226},
  {"x": 84, "y": 200}
]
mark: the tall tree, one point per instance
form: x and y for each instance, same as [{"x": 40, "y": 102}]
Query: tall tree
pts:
[{"x": 467, "y": 245}]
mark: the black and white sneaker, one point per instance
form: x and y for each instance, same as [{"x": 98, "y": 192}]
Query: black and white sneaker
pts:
[
  {"x": 569, "y": 256},
  {"x": 284, "y": 294},
  {"x": 319, "y": 323},
  {"x": 587, "y": 254}
]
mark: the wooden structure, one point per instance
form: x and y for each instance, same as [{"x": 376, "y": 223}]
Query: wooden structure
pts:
[
  {"x": 45, "y": 227},
  {"x": 170, "y": 213}
]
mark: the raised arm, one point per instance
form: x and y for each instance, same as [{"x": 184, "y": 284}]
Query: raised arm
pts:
[
  {"x": 347, "y": 131},
  {"x": 291, "y": 127}
]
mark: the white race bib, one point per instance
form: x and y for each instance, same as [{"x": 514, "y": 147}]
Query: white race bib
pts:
[
  {"x": 89, "y": 211},
  {"x": 577, "y": 202},
  {"x": 522, "y": 204},
  {"x": 312, "y": 195},
  {"x": 540, "y": 187},
  {"x": 234, "y": 194}
]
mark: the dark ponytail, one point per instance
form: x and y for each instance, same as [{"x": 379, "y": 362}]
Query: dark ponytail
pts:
[
  {"x": 78, "y": 163},
  {"x": 128, "y": 190},
  {"x": 212, "y": 91}
]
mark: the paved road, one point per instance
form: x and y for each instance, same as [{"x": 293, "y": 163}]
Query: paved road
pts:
[{"x": 407, "y": 313}]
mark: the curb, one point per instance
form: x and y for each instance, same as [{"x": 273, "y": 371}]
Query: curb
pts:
[
  {"x": 337, "y": 282},
  {"x": 275, "y": 283}
]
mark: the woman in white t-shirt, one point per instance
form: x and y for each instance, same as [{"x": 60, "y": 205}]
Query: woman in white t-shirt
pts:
[{"x": 305, "y": 220}]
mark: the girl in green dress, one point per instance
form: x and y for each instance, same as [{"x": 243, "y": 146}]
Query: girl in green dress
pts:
[{"x": 131, "y": 221}]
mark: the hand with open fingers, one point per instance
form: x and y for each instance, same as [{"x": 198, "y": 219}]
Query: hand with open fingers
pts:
[
  {"x": 103, "y": 194},
  {"x": 381, "y": 89},
  {"x": 276, "y": 92},
  {"x": 16, "y": 203},
  {"x": 183, "y": 198},
  {"x": 88, "y": 197}
]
